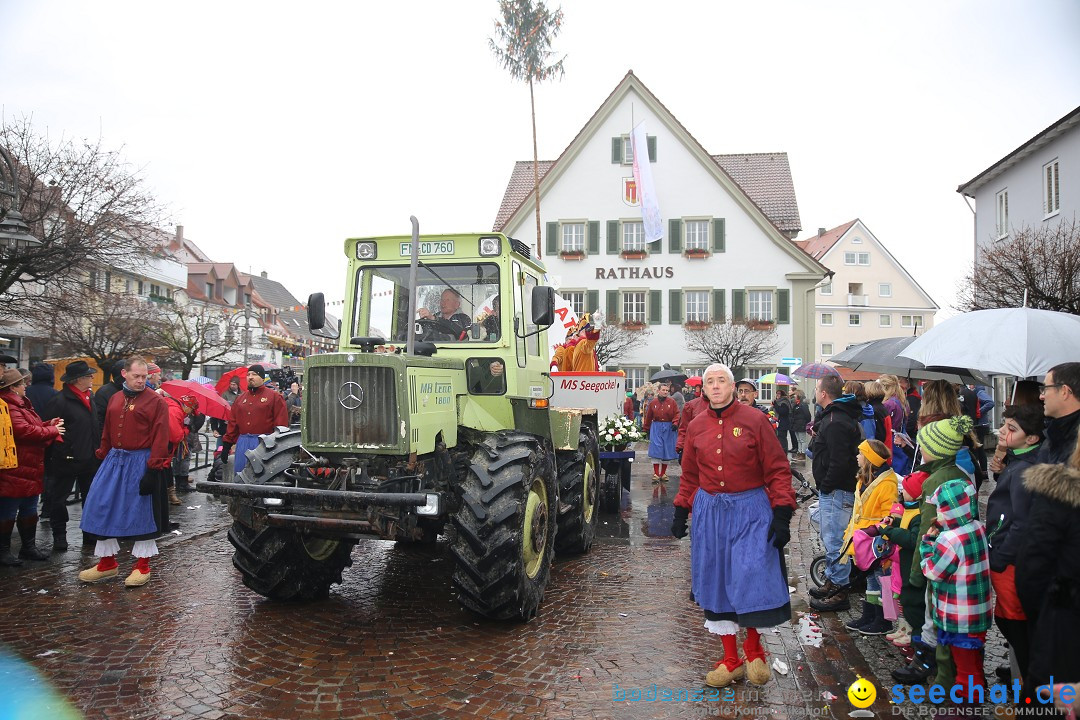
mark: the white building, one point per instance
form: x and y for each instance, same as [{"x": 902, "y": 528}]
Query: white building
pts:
[
  {"x": 870, "y": 296},
  {"x": 1034, "y": 185},
  {"x": 727, "y": 251}
]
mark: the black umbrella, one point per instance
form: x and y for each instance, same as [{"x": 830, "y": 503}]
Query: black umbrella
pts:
[
  {"x": 668, "y": 375},
  {"x": 882, "y": 356},
  {"x": 8, "y": 359}
]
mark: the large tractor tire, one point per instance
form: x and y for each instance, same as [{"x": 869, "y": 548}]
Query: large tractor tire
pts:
[
  {"x": 279, "y": 563},
  {"x": 506, "y": 527},
  {"x": 579, "y": 494}
]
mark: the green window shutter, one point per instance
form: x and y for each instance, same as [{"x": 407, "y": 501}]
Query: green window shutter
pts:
[
  {"x": 655, "y": 308},
  {"x": 675, "y": 306},
  {"x": 552, "y": 238},
  {"x": 675, "y": 236},
  {"x": 650, "y": 140},
  {"x": 616, "y": 150},
  {"x": 719, "y": 235},
  {"x": 612, "y": 306},
  {"x": 592, "y": 301},
  {"x": 593, "y": 237},
  {"x": 783, "y": 313},
  {"x": 719, "y": 312},
  {"x": 738, "y": 305},
  {"x": 613, "y": 237}
]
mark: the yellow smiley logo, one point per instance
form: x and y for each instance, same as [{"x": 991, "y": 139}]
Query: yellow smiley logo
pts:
[
  {"x": 862, "y": 693},
  {"x": 737, "y": 432}
]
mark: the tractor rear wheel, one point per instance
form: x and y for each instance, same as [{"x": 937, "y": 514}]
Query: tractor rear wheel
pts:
[
  {"x": 280, "y": 563},
  {"x": 579, "y": 494},
  {"x": 505, "y": 527}
]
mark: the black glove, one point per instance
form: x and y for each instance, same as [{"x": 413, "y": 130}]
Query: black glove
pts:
[
  {"x": 217, "y": 470},
  {"x": 226, "y": 448},
  {"x": 780, "y": 530},
  {"x": 149, "y": 482},
  {"x": 678, "y": 525}
]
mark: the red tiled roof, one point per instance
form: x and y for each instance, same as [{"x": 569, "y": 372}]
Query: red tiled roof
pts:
[
  {"x": 817, "y": 245},
  {"x": 521, "y": 184}
]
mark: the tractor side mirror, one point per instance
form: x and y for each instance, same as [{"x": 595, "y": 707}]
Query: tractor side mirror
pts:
[
  {"x": 543, "y": 305},
  {"x": 316, "y": 311}
]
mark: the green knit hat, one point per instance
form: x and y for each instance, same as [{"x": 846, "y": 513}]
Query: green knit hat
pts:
[{"x": 944, "y": 438}]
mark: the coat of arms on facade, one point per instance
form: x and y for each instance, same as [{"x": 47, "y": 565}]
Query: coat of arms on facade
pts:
[{"x": 630, "y": 193}]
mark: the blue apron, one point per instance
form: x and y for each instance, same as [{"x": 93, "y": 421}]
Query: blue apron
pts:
[{"x": 114, "y": 508}]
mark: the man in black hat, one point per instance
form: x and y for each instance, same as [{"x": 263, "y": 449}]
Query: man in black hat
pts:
[
  {"x": 71, "y": 461},
  {"x": 256, "y": 412}
]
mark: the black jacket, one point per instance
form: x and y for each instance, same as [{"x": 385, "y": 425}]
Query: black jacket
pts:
[
  {"x": 800, "y": 417},
  {"x": 82, "y": 434},
  {"x": 101, "y": 403},
  {"x": 1007, "y": 510},
  {"x": 836, "y": 445},
  {"x": 1048, "y": 572},
  {"x": 41, "y": 389},
  {"x": 1060, "y": 439},
  {"x": 783, "y": 414}
]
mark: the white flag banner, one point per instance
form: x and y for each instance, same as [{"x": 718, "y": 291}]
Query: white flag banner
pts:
[{"x": 650, "y": 206}]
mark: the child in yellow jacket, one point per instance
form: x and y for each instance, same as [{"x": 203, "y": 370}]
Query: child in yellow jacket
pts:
[{"x": 875, "y": 494}]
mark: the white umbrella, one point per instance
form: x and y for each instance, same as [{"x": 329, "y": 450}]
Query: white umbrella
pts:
[{"x": 1022, "y": 342}]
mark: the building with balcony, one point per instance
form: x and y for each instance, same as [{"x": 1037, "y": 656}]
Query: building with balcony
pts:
[
  {"x": 870, "y": 296},
  {"x": 727, "y": 253}
]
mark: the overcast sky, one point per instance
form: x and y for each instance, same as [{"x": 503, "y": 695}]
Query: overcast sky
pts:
[{"x": 274, "y": 130}]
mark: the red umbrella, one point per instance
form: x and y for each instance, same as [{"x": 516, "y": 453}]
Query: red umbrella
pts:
[
  {"x": 210, "y": 403},
  {"x": 239, "y": 373},
  {"x": 693, "y": 380}
]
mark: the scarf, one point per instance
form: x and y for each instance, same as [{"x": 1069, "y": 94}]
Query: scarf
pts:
[{"x": 84, "y": 396}]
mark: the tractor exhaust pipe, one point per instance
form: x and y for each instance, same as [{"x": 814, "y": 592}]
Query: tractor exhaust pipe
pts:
[{"x": 410, "y": 344}]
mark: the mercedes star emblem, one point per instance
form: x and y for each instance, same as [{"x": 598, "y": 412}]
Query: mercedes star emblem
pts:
[{"x": 350, "y": 395}]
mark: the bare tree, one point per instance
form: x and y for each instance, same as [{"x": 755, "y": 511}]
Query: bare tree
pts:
[
  {"x": 85, "y": 204},
  {"x": 525, "y": 33},
  {"x": 733, "y": 344},
  {"x": 198, "y": 333},
  {"x": 1043, "y": 261},
  {"x": 103, "y": 326},
  {"x": 616, "y": 342}
]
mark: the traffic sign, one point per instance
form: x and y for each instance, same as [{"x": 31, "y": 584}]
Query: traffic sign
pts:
[{"x": 791, "y": 362}]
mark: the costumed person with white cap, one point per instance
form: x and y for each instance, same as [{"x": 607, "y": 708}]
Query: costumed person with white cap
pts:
[
  {"x": 256, "y": 412},
  {"x": 121, "y": 502},
  {"x": 736, "y": 481}
]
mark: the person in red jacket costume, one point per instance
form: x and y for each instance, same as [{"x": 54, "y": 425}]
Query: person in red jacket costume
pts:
[
  {"x": 690, "y": 410},
  {"x": 256, "y": 412},
  {"x": 134, "y": 451},
  {"x": 737, "y": 482},
  {"x": 20, "y": 486}
]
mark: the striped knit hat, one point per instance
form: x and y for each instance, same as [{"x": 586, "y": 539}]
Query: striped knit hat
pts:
[{"x": 944, "y": 438}]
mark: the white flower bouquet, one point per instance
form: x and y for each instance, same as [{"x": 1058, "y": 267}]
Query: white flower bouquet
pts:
[{"x": 618, "y": 431}]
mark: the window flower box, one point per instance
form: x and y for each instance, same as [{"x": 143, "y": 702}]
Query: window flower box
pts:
[
  {"x": 696, "y": 325},
  {"x": 572, "y": 254},
  {"x": 633, "y": 325},
  {"x": 634, "y": 254},
  {"x": 696, "y": 253},
  {"x": 760, "y": 324}
]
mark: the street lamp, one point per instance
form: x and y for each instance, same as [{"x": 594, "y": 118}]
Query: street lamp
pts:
[{"x": 15, "y": 234}]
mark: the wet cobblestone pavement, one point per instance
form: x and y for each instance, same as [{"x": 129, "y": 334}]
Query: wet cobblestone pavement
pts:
[{"x": 392, "y": 642}]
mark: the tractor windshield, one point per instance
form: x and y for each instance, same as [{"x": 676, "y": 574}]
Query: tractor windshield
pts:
[{"x": 450, "y": 301}]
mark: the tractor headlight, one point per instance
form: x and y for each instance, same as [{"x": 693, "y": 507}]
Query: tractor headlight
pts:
[
  {"x": 273, "y": 502},
  {"x": 366, "y": 251},
  {"x": 431, "y": 507},
  {"x": 490, "y": 246}
]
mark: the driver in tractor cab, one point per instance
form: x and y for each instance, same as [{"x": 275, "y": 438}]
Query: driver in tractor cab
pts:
[{"x": 450, "y": 323}]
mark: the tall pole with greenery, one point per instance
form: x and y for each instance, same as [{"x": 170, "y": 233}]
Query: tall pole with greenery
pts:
[{"x": 522, "y": 45}]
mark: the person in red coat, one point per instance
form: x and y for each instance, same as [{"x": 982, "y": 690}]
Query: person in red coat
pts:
[
  {"x": 256, "y": 412},
  {"x": 127, "y": 491},
  {"x": 660, "y": 424},
  {"x": 690, "y": 410},
  {"x": 737, "y": 483},
  {"x": 20, "y": 486}
]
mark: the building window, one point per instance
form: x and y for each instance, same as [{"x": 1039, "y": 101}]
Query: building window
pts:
[
  {"x": 627, "y": 150},
  {"x": 635, "y": 377},
  {"x": 576, "y": 298},
  {"x": 573, "y": 237},
  {"x": 864, "y": 258},
  {"x": 633, "y": 236},
  {"x": 760, "y": 304},
  {"x": 1051, "y": 188},
  {"x": 856, "y": 258},
  {"x": 850, "y": 258},
  {"x": 826, "y": 289},
  {"x": 765, "y": 392},
  {"x": 884, "y": 320},
  {"x": 1002, "y": 223},
  {"x": 633, "y": 307},
  {"x": 854, "y": 319},
  {"x": 209, "y": 291},
  {"x": 690, "y": 372},
  {"x": 697, "y": 234},
  {"x": 910, "y": 321},
  {"x": 884, "y": 289},
  {"x": 697, "y": 306},
  {"x": 826, "y": 319},
  {"x": 826, "y": 349},
  {"x": 856, "y": 240}
]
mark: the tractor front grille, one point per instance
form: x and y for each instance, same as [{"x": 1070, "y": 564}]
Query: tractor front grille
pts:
[{"x": 337, "y": 412}]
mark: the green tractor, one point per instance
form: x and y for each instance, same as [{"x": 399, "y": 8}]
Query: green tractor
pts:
[{"x": 433, "y": 416}]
